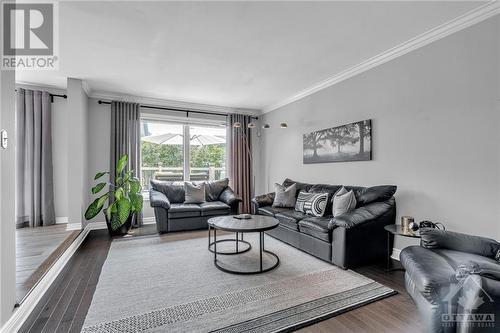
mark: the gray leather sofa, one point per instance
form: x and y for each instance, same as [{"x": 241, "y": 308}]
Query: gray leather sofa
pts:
[
  {"x": 454, "y": 280},
  {"x": 172, "y": 214},
  {"x": 351, "y": 239}
]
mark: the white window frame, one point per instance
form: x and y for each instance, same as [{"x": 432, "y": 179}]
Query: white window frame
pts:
[{"x": 187, "y": 122}]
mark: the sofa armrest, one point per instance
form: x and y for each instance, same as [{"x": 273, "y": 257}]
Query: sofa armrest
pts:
[
  {"x": 432, "y": 238},
  {"x": 229, "y": 197},
  {"x": 263, "y": 200},
  {"x": 363, "y": 214},
  {"x": 359, "y": 236},
  {"x": 158, "y": 199}
]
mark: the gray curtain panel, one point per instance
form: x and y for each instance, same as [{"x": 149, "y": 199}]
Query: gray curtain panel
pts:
[
  {"x": 240, "y": 155},
  {"x": 125, "y": 139},
  {"x": 34, "y": 177}
]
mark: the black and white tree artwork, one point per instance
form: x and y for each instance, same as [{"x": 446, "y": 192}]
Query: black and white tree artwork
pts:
[{"x": 351, "y": 142}]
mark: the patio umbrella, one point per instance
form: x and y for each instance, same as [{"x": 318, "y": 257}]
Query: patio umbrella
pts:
[{"x": 176, "y": 139}]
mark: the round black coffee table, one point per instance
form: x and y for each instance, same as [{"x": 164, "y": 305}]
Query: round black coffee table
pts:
[{"x": 258, "y": 223}]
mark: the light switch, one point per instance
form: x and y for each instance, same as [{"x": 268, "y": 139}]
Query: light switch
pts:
[{"x": 4, "y": 139}]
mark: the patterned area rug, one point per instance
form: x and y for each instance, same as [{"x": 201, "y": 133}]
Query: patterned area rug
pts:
[{"x": 154, "y": 285}]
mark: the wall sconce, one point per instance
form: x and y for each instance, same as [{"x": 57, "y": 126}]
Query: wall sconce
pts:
[
  {"x": 266, "y": 126},
  {"x": 251, "y": 125},
  {"x": 237, "y": 124},
  {"x": 284, "y": 125}
]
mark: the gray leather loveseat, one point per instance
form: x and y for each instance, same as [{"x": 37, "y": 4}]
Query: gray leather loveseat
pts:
[{"x": 172, "y": 214}]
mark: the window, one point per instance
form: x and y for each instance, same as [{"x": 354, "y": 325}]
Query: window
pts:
[{"x": 168, "y": 155}]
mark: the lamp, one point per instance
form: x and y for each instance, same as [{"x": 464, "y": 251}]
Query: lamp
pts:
[
  {"x": 284, "y": 125},
  {"x": 237, "y": 124}
]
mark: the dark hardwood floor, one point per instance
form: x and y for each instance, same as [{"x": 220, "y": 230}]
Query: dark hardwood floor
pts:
[
  {"x": 36, "y": 250},
  {"x": 65, "y": 305}
]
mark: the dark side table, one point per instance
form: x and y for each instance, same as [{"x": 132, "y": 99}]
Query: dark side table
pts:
[{"x": 396, "y": 230}]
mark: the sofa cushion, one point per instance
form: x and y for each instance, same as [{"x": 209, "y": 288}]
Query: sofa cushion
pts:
[
  {"x": 194, "y": 193},
  {"x": 213, "y": 208},
  {"x": 284, "y": 196},
  {"x": 457, "y": 258},
  {"x": 312, "y": 203},
  {"x": 180, "y": 210},
  {"x": 270, "y": 211},
  {"x": 433, "y": 238},
  {"x": 366, "y": 195},
  {"x": 173, "y": 190},
  {"x": 343, "y": 202},
  {"x": 300, "y": 186},
  {"x": 318, "y": 227},
  {"x": 213, "y": 189},
  {"x": 290, "y": 218}
]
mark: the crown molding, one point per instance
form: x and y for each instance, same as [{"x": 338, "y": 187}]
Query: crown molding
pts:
[
  {"x": 466, "y": 20},
  {"x": 86, "y": 88},
  {"x": 111, "y": 96},
  {"x": 46, "y": 87}
]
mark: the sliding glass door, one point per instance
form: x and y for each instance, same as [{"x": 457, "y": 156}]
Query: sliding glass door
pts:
[
  {"x": 175, "y": 152},
  {"x": 162, "y": 151},
  {"x": 207, "y": 153}
]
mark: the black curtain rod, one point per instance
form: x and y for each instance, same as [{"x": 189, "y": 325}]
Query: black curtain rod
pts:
[
  {"x": 54, "y": 95},
  {"x": 186, "y": 111}
]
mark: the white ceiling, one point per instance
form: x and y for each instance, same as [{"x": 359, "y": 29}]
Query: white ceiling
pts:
[{"x": 236, "y": 54}]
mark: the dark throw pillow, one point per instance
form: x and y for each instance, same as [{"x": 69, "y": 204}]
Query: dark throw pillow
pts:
[
  {"x": 375, "y": 194},
  {"x": 173, "y": 190},
  {"x": 213, "y": 189}
]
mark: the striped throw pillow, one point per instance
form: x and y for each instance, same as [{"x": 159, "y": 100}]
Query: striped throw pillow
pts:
[{"x": 311, "y": 203}]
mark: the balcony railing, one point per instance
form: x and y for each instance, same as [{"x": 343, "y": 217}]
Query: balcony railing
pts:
[{"x": 176, "y": 174}]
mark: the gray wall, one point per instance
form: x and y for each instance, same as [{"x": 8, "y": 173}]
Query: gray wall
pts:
[
  {"x": 77, "y": 169},
  {"x": 7, "y": 204},
  {"x": 99, "y": 118},
  {"x": 435, "y": 121}
]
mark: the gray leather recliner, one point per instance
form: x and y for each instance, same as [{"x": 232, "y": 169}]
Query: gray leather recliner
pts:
[{"x": 454, "y": 280}]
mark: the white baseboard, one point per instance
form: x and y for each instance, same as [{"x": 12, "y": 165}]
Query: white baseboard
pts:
[
  {"x": 148, "y": 220},
  {"x": 74, "y": 226},
  {"x": 62, "y": 220},
  {"x": 97, "y": 225},
  {"x": 395, "y": 253},
  {"x": 29, "y": 303}
]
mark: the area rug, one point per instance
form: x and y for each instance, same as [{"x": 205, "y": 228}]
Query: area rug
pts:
[{"x": 157, "y": 285}]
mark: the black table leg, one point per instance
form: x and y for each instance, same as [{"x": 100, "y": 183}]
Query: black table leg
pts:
[
  {"x": 209, "y": 236},
  {"x": 261, "y": 248},
  {"x": 237, "y": 241},
  {"x": 215, "y": 244},
  {"x": 388, "y": 263}
]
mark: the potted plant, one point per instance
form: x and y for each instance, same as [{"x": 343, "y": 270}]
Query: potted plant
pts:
[{"x": 124, "y": 199}]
